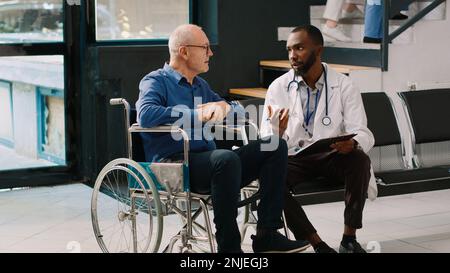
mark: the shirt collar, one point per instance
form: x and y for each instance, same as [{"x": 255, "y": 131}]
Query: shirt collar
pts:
[
  {"x": 176, "y": 76},
  {"x": 319, "y": 83}
]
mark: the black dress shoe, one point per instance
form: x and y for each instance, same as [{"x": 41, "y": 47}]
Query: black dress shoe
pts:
[
  {"x": 324, "y": 249},
  {"x": 351, "y": 247},
  {"x": 399, "y": 16},
  {"x": 275, "y": 242},
  {"x": 371, "y": 40}
]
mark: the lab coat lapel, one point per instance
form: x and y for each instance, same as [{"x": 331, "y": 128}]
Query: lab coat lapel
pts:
[{"x": 295, "y": 105}]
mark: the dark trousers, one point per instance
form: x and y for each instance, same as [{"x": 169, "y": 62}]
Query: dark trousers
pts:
[
  {"x": 353, "y": 169},
  {"x": 222, "y": 173}
]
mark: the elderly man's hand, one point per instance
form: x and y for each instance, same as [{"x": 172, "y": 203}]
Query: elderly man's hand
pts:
[
  {"x": 213, "y": 111},
  {"x": 344, "y": 147}
]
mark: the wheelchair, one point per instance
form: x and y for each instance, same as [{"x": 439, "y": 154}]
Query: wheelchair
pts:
[{"x": 130, "y": 200}]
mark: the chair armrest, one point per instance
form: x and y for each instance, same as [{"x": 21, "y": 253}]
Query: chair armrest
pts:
[
  {"x": 238, "y": 126},
  {"x": 135, "y": 128},
  {"x": 157, "y": 129}
]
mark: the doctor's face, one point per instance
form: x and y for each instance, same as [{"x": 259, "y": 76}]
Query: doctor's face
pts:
[{"x": 302, "y": 52}]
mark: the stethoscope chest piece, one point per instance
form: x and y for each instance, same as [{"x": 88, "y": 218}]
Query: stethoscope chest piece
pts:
[{"x": 326, "y": 121}]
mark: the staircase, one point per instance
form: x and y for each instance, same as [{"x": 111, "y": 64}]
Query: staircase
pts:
[
  {"x": 418, "y": 58},
  {"x": 354, "y": 28}
]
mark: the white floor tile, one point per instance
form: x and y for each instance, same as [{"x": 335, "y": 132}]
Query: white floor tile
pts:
[
  {"x": 425, "y": 221},
  {"x": 402, "y": 247},
  {"x": 57, "y": 219},
  {"x": 437, "y": 245},
  {"x": 9, "y": 240}
]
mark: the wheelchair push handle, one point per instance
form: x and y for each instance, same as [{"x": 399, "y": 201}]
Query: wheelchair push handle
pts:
[
  {"x": 124, "y": 102},
  {"x": 116, "y": 101}
]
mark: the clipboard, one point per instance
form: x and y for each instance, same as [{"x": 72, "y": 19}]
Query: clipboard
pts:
[{"x": 322, "y": 145}]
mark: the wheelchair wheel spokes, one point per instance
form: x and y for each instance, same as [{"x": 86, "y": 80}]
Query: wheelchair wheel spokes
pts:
[{"x": 126, "y": 217}]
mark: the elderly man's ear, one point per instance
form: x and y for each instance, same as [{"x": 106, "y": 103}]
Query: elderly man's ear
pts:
[{"x": 182, "y": 52}]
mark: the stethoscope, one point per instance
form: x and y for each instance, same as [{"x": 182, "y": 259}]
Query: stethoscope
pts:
[{"x": 326, "y": 120}]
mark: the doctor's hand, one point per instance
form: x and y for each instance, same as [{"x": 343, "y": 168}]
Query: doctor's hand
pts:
[
  {"x": 213, "y": 111},
  {"x": 344, "y": 147},
  {"x": 279, "y": 119}
]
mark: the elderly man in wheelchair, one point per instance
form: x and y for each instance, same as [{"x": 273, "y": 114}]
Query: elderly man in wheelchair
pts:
[{"x": 200, "y": 173}]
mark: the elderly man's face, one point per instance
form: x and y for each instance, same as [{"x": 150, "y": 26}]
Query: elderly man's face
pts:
[{"x": 199, "y": 52}]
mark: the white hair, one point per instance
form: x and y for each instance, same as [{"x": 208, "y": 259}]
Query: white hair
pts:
[{"x": 182, "y": 35}]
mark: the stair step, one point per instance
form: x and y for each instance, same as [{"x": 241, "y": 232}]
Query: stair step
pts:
[
  {"x": 249, "y": 92},
  {"x": 283, "y": 33},
  {"x": 316, "y": 12},
  {"x": 356, "y": 33},
  {"x": 282, "y": 66},
  {"x": 341, "y": 68}
]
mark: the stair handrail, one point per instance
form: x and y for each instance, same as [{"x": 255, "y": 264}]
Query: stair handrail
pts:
[{"x": 388, "y": 37}]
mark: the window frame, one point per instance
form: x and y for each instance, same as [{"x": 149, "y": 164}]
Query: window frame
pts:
[{"x": 71, "y": 46}]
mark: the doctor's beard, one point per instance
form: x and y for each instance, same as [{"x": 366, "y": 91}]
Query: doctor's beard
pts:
[{"x": 306, "y": 66}]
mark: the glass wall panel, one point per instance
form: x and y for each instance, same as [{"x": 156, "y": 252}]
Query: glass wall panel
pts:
[
  {"x": 25, "y": 21},
  {"x": 139, "y": 19},
  {"x": 38, "y": 112}
]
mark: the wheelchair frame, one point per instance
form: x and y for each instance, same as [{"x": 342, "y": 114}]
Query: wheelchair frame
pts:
[{"x": 158, "y": 203}]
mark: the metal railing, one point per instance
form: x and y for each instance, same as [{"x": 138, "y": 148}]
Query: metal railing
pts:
[{"x": 388, "y": 37}]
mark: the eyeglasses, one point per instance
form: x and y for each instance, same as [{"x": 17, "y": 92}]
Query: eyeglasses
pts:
[{"x": 205, "y": 47}]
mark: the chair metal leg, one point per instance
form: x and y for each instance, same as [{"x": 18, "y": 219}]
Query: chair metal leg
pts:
[
  {"x": 249, "y": 218},
  {"x": 285, "y": 227},
  {"x": 186, "y": 234},
  {"x": 204, "y": 207}
]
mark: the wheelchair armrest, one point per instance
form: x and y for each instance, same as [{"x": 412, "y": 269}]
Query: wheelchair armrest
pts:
[
  {"x": 135, "y": 128},
  {"x": 157, "y": 129},
  {"x": 238, "y": 127},
  {"x": 239, "y": 122}
]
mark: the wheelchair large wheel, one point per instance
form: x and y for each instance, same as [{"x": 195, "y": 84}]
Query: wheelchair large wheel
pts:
[{"x": 126, "y": 218}]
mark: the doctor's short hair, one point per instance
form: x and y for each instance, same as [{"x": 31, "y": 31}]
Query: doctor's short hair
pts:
[{"x": 313, "y": 33}]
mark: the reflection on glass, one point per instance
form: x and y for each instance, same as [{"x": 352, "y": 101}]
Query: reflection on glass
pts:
[
  {"x": 53, "y": 132},
  {"x": 6, "y": 129},
  {"x": 31, "y": 21},
  {"x": 139, "y": 19},
  {"x": 37, "y": 112}
]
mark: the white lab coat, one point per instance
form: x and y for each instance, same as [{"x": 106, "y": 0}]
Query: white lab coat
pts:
[{"x": 345, "y": 108}]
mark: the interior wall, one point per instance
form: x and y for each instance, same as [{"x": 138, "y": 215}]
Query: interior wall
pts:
[
  {"x": 247, "y": 33},
  {"x": 241, "y": 32},
  {"x": 425, "y": 62}
]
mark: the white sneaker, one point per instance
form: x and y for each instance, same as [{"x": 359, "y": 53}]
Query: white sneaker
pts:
[
  {"x": 335, "y": 33},
  {"x": 355, "y": 14}
]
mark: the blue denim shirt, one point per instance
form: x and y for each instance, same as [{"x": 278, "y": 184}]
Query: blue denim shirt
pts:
[{"x": 166, "y": 98}]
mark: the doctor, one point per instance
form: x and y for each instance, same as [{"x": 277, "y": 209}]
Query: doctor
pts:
[{"x": 310, "y": 102}]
